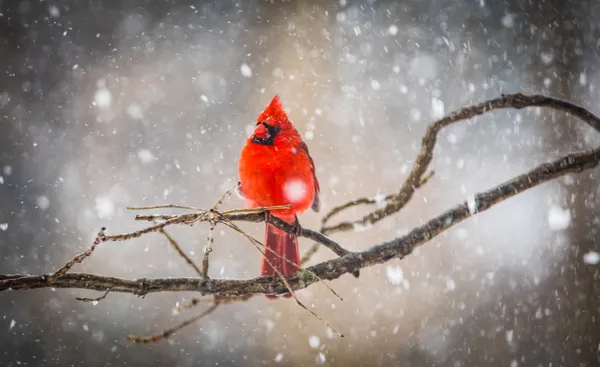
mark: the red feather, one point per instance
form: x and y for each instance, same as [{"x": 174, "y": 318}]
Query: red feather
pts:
[{"x": 276, "y": 169}]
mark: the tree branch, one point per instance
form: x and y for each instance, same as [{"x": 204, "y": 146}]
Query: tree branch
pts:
[
  {"x": 226, "y": 291},
  {"x": 415, "y": 179},
  {"x": 332, "y": 269}
]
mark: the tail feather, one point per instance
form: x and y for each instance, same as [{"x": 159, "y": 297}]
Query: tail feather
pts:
[{"x": 284, "y": 255}]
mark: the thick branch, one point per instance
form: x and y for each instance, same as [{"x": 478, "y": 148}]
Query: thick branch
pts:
[
  {"x": 415, "y": 179},
  {"x": 332, "y": 269}
]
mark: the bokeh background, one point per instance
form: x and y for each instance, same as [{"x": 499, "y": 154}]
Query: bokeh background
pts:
[{"x": 107, "y": 104}]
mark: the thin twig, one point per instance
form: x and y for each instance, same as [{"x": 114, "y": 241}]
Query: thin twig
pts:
[
  {"x": 94, "y": 300},
  {"x": 179, "y": 250},
  {"x": 209, "y": 239},
  {"x": 226, "y": 195},
  {"x": 180, "y": 307},
  {"x": 254, "y": 215},
  {"x": 302, "y": 273},
  {"x": 259, "y": 246},
  {"x": 167, "y": 333},
  {"x": 79, "y": 258},
  {"x": 166, "y": 206},
  {"x": 414, "y": 179}
]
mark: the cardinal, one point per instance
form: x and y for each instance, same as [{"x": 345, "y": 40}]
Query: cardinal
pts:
[{"x": 276, "y": 169}]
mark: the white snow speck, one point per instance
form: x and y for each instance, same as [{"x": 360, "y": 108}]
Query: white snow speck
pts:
[
  {"x": 547, "y": 57},
  {"x": 437, "y": 108},
  {"x": 12, "y": 324},
  {"x": 43, "y": 202},
  {"x": 246, "y": 70},
  {"x": 514, "y": 363},
  {"x": 558, "y": 218},
  {"x": 85, "y": 327},
  {"x": 583, "y": 78},
  {"x": 54, "y": 11},
  {"x": 538, "y": 313},
  {"x": 375, "y": 84},
  {"x": 415, "y": 114},
  {"x": 279, "y": 357},
  {"x": 452, "y": 139},
  {"x": 250, "y": 129},
  {"x": 450, "y": 285},
  {"x": 394, "y": 274},
  {"x": 591, "y": 258},
  {"x": 393, "y": 30},
  {"x": 295, "y": 190},
  {"x": 314, "y": 341},
  {"x": 380, "y": 201},
  {"x": 3, "y": 226},
  {"x": 102, "y": 98},
  {"x": 269, "y": 325},
  {"x": 358, "y": 227},
  {"x": 321, "y": 358},
  {"x": 472, "y": 204},
  {"x": 308, "y": 135},
  {"x": 509, "y": 336},
  {"x": 135, "y": 111},
  {"x": 204, "y": 98},
  {"x": 1, "y": 180},
  {"x": 104, "y": 207},
  {"x": 508, "y": 20},
  {"x": 7, "y": 170},
  {"x": 547, "y": 82},
  {"x": 145, "y": 156}
]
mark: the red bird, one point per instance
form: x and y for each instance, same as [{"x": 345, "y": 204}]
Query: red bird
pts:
[{"x": 276, "y": 169}]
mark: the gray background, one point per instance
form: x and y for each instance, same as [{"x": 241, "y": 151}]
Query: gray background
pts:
[{"x": 364, "y": 79}]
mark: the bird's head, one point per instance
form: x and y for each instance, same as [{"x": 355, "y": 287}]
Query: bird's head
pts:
[{"x": 270, "y": 123}]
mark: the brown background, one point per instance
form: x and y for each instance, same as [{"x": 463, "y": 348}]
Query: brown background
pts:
[{"x": 503, "y": 288}]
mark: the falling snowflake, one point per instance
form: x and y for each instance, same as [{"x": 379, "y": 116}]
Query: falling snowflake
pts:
[
  {"x": 295, "y": 190},
  {"x": 558, "y": 218},
  {"x": 314, "y": 341},
  {"x": 591, "y": 258},
  {"x": 102, "y": 98},
  {"x": 394, "y": 274},
  {"x": 246, "y": 70}
]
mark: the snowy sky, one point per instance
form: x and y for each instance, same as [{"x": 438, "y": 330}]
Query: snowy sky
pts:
[{"x": 108, "y": 106}]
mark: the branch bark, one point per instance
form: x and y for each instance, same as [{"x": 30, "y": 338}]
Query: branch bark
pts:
[
  {"x": 332, "y": 269},
  {"x": 348, "y": 262}
]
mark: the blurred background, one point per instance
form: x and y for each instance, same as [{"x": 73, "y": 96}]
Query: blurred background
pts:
[{"x": 108, "y": 104}]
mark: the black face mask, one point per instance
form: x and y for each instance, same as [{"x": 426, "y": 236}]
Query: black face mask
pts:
[{"x": 269, "y": 140}]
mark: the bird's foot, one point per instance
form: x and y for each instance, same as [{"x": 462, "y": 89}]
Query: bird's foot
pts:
[{"x": 297, "y": 227}]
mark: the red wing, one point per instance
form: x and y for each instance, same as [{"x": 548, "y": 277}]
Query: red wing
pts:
[{"x": 316, "y": 205}]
